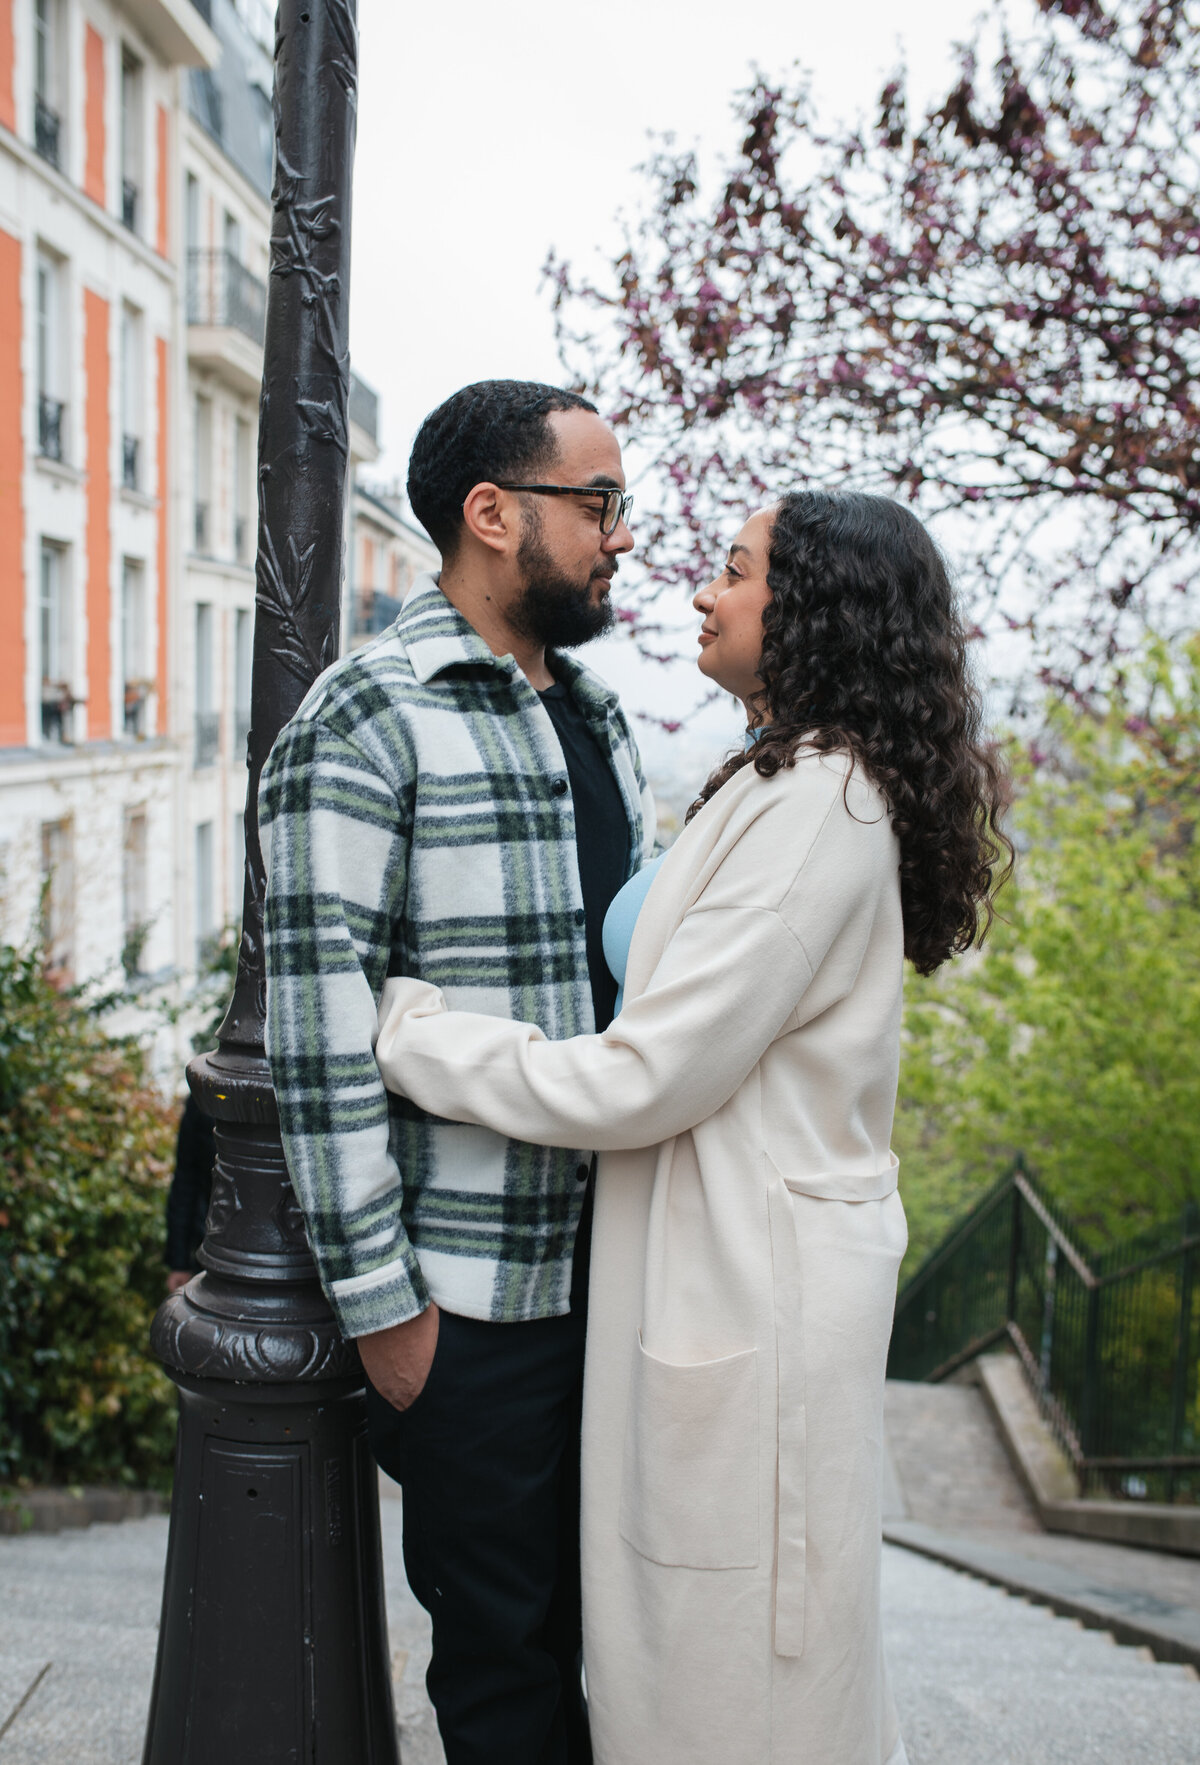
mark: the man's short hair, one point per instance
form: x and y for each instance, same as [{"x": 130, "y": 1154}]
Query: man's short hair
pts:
[{"x": 493, "y": 431}]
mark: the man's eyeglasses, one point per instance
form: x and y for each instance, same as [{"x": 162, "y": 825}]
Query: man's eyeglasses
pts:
[{"x": 616, "y": 504}]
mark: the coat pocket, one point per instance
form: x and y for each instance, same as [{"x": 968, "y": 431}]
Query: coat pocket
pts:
[{"x": 689, "y": 1485}]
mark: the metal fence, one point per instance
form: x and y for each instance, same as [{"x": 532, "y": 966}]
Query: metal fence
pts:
[
  {"x": 223, "y": 292},
  {"x": 1110, "y": 1345}
]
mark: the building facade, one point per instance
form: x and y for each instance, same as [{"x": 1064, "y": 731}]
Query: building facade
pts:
[{"x": 135, "y": 172}]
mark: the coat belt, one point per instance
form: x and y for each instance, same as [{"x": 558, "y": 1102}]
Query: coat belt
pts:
[{"x": 790, "y": 1529}]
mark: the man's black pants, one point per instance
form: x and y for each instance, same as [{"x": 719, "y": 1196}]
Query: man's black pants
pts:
[{"x": 488, "y": 1459}]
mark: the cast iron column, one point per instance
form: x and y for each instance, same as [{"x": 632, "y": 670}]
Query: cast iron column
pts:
[{"x": 273, "y": 1643}]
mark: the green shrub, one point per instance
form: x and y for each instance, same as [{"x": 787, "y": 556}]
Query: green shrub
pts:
[
  {"x": 86, "y": 1146},
  {"x": 1073, "y": 1037}
]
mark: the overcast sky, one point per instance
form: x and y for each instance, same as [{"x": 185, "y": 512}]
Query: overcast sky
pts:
[{"x": 489, "y": 133}]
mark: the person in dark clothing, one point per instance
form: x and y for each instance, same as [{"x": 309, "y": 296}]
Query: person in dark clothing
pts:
[{"x": 188, "y": 1198}]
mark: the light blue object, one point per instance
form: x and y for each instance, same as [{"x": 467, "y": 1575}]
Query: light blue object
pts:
[
  {"x": 626, "y": 904},
  {"x": 620, "y": 920}
]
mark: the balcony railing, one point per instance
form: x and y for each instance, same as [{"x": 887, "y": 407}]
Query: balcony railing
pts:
[
  {"x": 130, "y": 454},
  {"x": 50, "y": 427},
  {"x": 208, "y": 738},
  {"x": 200, "y": 529},
  {"x": 129, "y": 204},
  {"x": 137, "y": 694},
  {"x": 241, "y": 730},
  {"x": 58, "y": 702},
  {"x": 223, "y": 292},
  {"x": 47, "y": 131},
  {"x": 364, "y": 406},
  {"x": 372, "y": 611}
]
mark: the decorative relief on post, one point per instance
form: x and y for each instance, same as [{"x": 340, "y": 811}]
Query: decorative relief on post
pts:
[
  {"x": 190, "y": 1341},
  {"x": 283, "y": 591}
]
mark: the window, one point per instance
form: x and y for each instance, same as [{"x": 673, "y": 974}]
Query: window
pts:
[
  {"x": 208, "y": 724},
  {"x": 135, "y": 921},
  {"x": 202, "y": 447},
  {"x": 243, "y": 638},
  {"x": 58, "y": 899},
  {"x": 133, "y": 646},
  {"x": 232, "y": 237},
  {"x": 54, "y": 644},
  {"x": 131, "y": 141},
  {"x": 47, "y": 80},
  {"x": 52, "y": 438},
  {"x": 241, "y": 492},
  {"x": 205, "y": 921},
  {"x": 132, "y": 450}
]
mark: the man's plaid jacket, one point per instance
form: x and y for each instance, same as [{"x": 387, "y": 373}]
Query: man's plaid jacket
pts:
[{"x": 416, "y": 818}]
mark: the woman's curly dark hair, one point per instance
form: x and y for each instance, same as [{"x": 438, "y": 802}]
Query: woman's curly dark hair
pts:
[{"x": 864, "y": 651}]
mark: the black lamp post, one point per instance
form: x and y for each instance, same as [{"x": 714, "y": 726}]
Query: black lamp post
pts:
[{"x": 273, "y": 1642}]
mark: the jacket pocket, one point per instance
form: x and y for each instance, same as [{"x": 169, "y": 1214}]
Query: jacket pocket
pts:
[{"x": 689, "y": 1485}]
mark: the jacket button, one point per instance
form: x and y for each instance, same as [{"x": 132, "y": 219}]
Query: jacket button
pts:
[
  {"x": 580, "y": 916},
  {"x": 559, "y": 787},
  {"x": 581, "y": 1175}
]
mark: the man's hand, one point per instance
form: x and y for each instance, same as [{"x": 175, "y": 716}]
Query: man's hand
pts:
[
  {"x": 397, "y": 1361},
  {"x": 178, "y": 1278}
]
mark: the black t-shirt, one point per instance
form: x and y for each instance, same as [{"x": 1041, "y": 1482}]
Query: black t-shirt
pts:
[{"x": 601, "y": 834}]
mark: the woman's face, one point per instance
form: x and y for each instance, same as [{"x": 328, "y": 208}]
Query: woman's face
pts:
[{"x": 732, "y": 634}]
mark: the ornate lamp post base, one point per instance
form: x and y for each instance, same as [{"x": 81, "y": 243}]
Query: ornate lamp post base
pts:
[
  {"x": 273, "y": 1642},
  {"x": 272, "y": 1646}
]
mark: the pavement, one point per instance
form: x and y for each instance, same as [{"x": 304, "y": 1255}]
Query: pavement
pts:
[
  {"x": 981, "y": 1678},
  {"x": 953, "y": 1496}
]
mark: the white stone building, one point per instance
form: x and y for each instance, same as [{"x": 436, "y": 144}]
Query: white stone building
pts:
[{"x": 135, "y": 167}]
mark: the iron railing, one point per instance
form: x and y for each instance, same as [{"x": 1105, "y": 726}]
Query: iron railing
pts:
[
  {"x": 47, "y": 129},
  {"x": 208, "y": 739},
  {"x": 1110, "y": 1345},
  {"x": 371, "y": 611},
  {"x": 221, "y": 291},
  {"x": 50, "y": 427},
  {"x": 241, "y": 730}
]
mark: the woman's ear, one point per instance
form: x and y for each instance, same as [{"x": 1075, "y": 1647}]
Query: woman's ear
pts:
[{"x": 492, "y": 516}]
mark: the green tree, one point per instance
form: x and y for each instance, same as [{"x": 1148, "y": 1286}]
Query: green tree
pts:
[
  {"x": 85, "y": 1159},
  {"x": 1073, "y": 1037}
]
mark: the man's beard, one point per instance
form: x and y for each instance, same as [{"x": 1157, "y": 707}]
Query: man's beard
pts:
[{"x": 551, "y": 609}]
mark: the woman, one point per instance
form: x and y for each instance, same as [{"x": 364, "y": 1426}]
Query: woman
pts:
[{"x": 748, "y": 1230}]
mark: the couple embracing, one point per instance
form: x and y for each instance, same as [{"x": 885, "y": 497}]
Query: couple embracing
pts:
[{"x": 550, "y": 1100}]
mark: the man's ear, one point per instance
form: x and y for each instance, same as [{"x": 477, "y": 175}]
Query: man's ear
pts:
[{"x": 492, "y": 516}]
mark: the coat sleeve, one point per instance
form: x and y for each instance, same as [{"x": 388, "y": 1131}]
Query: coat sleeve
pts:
[
  {"x": 673, "y": 1056},
  {"x": 795, "y": 895},
  {"x": 335, "y": 845}
]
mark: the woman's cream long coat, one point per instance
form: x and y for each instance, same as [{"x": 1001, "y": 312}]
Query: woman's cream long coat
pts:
[{"x": 746, "y": 1243}]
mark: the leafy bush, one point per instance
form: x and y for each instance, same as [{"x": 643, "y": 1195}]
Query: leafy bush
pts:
[
  {"x": 86, "y": 1147},
  {"x": 1073, "y": 1037}
]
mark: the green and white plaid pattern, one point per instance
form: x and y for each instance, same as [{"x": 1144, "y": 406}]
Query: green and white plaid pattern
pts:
[{"x": 416, "y": 818}]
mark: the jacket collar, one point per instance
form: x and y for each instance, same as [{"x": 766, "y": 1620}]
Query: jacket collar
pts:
[{"x": 437, "y": 637}]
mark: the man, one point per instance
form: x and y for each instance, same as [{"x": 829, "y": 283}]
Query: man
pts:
[{"x": 460, "y": 801}]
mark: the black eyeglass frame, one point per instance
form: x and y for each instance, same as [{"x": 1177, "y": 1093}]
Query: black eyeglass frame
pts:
[{"x": 609, "y": 492}]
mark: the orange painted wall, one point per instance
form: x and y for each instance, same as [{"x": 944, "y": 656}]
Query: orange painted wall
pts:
[
  {"x": 99, "y": 505},
  {"x": 12, "y": 574},
  {"x": 93, "y": 173},
  {"x": 8, "y": 108},
  {"x": 163, "y": 505},
  {"x": 163, "y": 139}
]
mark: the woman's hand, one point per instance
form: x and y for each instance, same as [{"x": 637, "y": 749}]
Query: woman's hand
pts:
[{"x": 402, "y": 997}]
